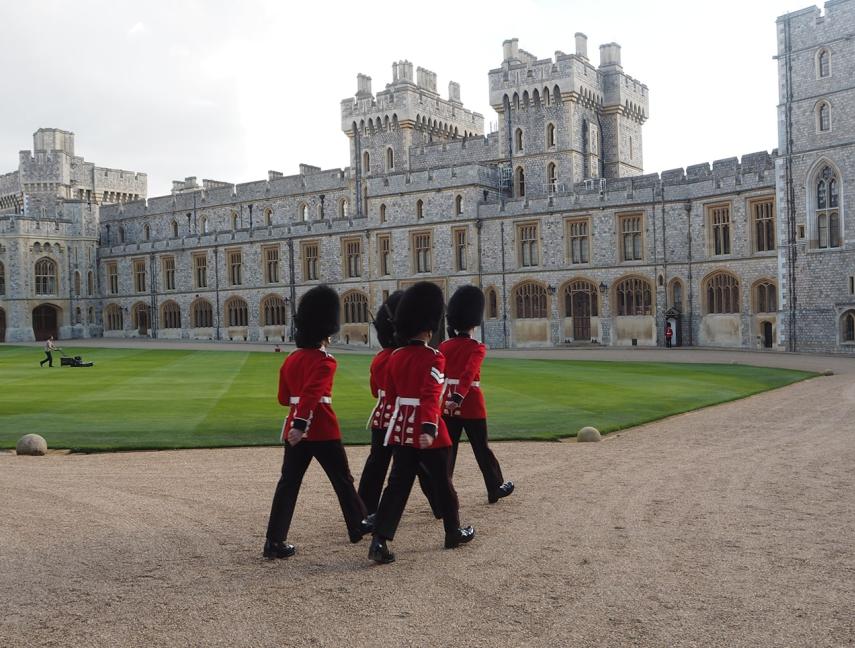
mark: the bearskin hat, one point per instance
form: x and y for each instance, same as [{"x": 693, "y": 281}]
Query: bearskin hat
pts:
[
  {"x": 419, "y": 310},
  {"x": 383, "y": 322},
  {"x": 317, "y": 316},
  {"x": 465, "y": 309}
]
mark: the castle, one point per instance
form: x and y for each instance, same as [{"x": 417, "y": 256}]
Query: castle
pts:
[{"x": 551, "y": 214}]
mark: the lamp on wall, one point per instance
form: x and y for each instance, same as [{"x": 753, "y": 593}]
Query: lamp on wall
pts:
[
  {"x": 550, "y": 289},
  {"x": 603, "y": 287}
]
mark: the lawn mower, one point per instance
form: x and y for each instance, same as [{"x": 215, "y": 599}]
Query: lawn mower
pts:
[{"x": 76, "y": 361}]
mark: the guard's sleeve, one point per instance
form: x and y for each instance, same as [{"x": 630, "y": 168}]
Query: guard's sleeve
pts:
[
  {"x": 319, "y": 384},
  {"x": 284, "y": 394},
  {"x": 431, "y": 391},
  {"x": 371, "y": 378},
  {"x": 471, "y": 369}
]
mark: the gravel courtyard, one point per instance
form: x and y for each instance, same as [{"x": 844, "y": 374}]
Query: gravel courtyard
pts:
[{"x": 729, "y": 526}]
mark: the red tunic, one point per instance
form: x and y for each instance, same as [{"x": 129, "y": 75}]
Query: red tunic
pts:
[
  {"x": 383, "y": 410},
  {"x": 414, "y": 385},
  {"x": 305, "y": 385},
  {"x": 463, "y": 358}
]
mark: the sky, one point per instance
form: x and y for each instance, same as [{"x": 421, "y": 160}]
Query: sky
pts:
[{"x": 229, "y": 90}]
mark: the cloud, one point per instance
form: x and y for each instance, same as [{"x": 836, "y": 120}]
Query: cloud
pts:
[{"x": 137, "y": 30}]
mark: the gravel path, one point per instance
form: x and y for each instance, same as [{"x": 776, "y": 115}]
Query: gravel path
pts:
[{"x": 730, "y": 526}]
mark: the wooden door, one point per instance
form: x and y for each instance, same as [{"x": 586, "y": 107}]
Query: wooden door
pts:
[
  {"x": 45, "y": 322},
  {"x": 581, "y": 316}
]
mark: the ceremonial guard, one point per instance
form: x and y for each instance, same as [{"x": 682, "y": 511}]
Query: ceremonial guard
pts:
[
  {"x": 414, "y": 383},
  {"x": 464, "y": 408},
  {"x": 311, "y": 428},
  {"x": 377, "y": 463}
]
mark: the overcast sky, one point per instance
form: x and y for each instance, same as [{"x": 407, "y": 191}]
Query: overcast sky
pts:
[{"x": 227, "y": 90}]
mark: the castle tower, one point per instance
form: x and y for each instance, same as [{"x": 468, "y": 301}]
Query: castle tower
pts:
[
  {"x": 563, "y": 120},
  {"x": 407, "y": 112},
  {"x": 815, "y": 173},
  {"x": 49, "y": 215}
]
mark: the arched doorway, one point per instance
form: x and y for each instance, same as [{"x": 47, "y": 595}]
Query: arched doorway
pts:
[
  {"x": 2, "y": 325},
  {"x": 45, "y": 322},
  {"x": 767, "y": 335},
  {"x": 141, "y": 319}
]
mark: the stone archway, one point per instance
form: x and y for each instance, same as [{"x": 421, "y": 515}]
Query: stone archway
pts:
[{"x": 46, "y": 322}]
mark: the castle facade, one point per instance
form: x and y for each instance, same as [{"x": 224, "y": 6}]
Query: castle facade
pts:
[{"x": 551, "y": 214}]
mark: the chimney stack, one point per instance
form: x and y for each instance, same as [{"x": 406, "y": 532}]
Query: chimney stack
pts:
[
  {"x": 511, "y": 49},
  {"x": 581, "y": 45},
  {"x": 610, "y": 54}
]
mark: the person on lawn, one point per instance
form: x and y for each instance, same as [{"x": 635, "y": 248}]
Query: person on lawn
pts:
[
  {"x": 464, "y": 408},
  {"x": 311, "y": 428},
  {"x": 50, "y": 347},
  {"x": 414, "y": 384}
]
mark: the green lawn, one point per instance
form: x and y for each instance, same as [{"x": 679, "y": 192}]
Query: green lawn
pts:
[{"x": 136, "y": 398}]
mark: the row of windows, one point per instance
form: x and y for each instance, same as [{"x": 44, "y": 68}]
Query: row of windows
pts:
[
  {"x": 632, "y": 296},
  {"x": 303, "y": 214},
  {"x": 578, "y": 250},
  {"x": 273, "y": 311}
]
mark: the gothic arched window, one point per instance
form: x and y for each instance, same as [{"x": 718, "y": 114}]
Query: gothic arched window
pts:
[
  {"x": 633, "y": 296},
  {"x": 274, "y": 311},
  {"x": 827, "y": 216},
  {"x": 355, "y": 308},
  {"x": 45, "y": 277},
  {"x": 722, "y": 293},
  {"x": 530, "y": 301},
  {"x": 237, "y": 313}
]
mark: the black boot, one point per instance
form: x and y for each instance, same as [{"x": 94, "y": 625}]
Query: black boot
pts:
[
  {"x": 502, "y": 491},
  {"x": 366, "y": 526},
  {"x": 278, "y": 549},
  {"x": 379, "y": 551},
  {"x": 459, "y": 537}
]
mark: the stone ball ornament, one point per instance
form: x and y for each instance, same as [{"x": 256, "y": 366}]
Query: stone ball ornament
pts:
[
  {"x": 32, "y": 445},
  {"x": 588, "y": 434}
]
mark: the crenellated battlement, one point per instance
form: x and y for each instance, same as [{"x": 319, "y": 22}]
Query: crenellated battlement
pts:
[
  {"x": 406, "y": 103},
  {"x": 214, "y": 193},
  {"x": 572, "y": 75}
]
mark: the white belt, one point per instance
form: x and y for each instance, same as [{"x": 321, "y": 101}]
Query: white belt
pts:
[
  {"x": 407, "y": 401},
  {"x": 456, "y": 381},
  {"x": 324, "y": 399}
]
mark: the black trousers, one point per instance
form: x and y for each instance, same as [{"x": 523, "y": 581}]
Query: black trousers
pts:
[
  {"x": 405, "y": 465},
  {"x": 331, "y": 456},
  {"x": 476, "y": 431},
  {"x": 48, "y": 359},
  {"x": 374, "y": 474},
  {"x": 667, "y": 342}
]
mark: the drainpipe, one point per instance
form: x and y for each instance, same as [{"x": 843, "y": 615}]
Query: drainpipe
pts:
[
  {"x": 655, "y": 258},
  {"x": 792, "y": 343},
  {"x": 689, "y": 289},
  {"x": 292, "y": 287},
  {"x": 153, "y": 324},
  {"x": 504, "y": 291},
  {"x": 217, "y": 287},
  {"x": 478, "y": 224}
]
